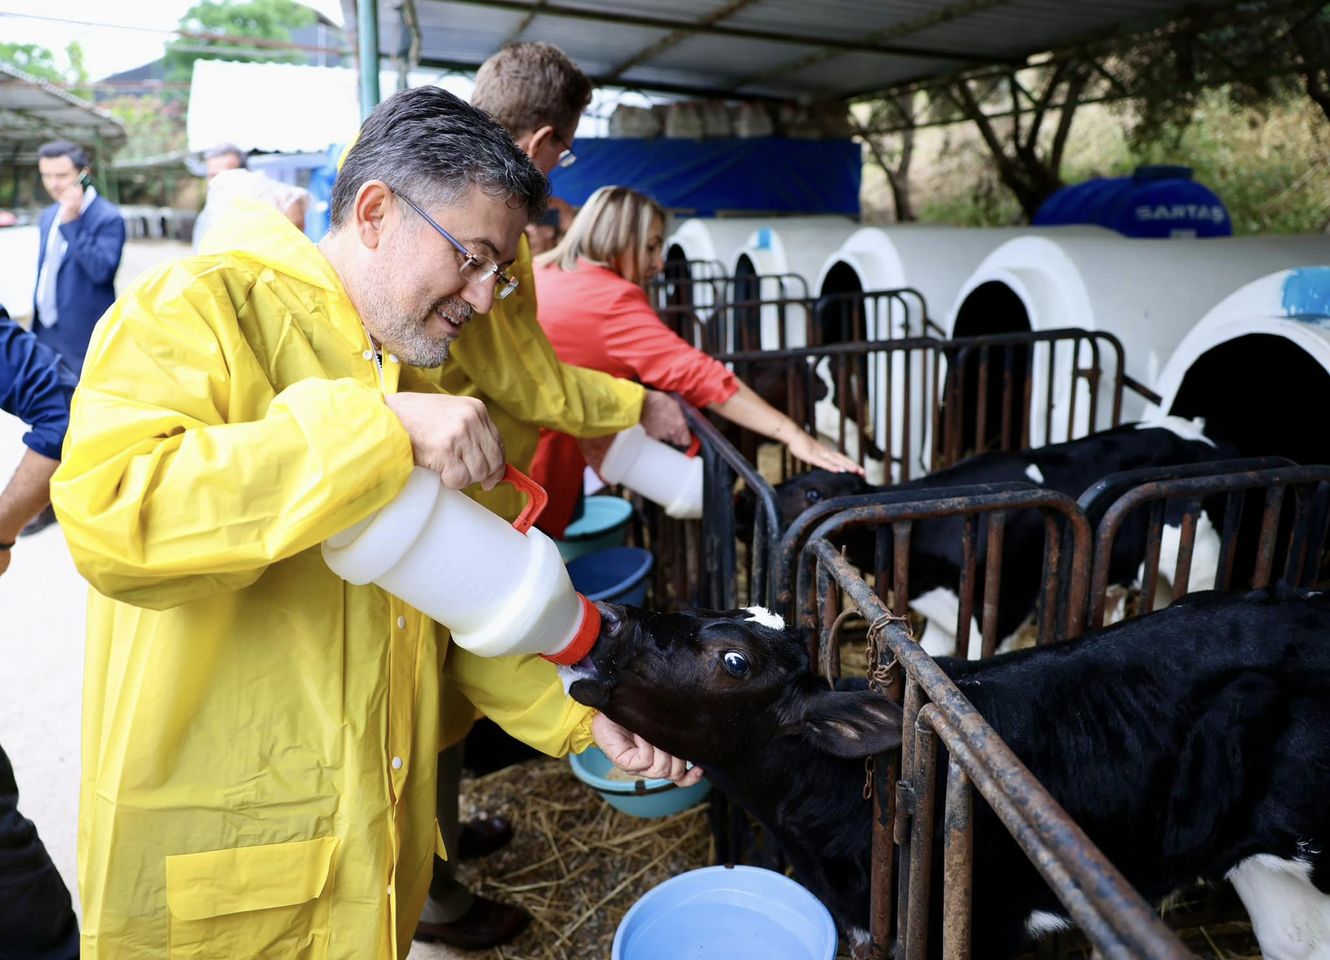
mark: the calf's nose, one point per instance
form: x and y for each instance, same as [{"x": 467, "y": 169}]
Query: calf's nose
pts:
[{"x": 611, "y": 618}]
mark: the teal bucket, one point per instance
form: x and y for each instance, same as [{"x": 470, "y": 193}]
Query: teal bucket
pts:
[
  {"x": 638, "y": 798},
  {"x": 603, "y": 523}
]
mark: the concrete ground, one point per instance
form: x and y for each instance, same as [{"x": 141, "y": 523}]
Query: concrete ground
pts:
[{"x": 42, "y": 603}]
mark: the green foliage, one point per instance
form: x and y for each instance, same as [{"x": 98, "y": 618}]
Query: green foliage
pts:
[
  {"x": 263, "y": 20},
  {"x": 31, "y": 59},
  {"x": 155, "y": 126},
  {"x": 77, "y": 74},
  {"x": 1268, "y": 162},
  {"x": 40, "y": 62}
]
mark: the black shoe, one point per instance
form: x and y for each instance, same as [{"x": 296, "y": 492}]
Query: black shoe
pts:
[
  {"x": 487, "y": 923},
  {"x": 480, "y": 838},
  {"x": 39, "y": 523}
]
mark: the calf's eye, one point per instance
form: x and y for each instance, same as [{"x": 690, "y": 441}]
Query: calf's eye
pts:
[{"x": 736, "y": 664}]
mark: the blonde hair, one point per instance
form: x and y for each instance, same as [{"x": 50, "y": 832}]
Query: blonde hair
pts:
[{"x": 614, "y": 221}]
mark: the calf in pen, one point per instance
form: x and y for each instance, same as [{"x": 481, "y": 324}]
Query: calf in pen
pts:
[
  {"x": 937, "y": 546},
  {"x": 1212, "y": 761}
]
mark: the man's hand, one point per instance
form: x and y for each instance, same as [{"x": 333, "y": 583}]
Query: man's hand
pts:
[
  {"x": 71, "y": 202},
  {"x": 453, "y": 436},
  {"x": 663, "y": 420},
  {"x": 632, "y": 754}
]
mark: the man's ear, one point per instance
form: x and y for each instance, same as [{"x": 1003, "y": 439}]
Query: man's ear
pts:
[
  {"x": 850, "y": 724},
  {"x": 538, "y": 138},
  {"x": 370, "y": 210}
]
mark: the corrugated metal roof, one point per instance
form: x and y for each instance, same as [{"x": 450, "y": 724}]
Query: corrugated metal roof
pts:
[
  {"x": 33, "y": 112},
  {"x": 778, "y": 48}
]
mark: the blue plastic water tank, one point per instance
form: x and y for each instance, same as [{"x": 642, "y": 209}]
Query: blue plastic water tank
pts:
[{"x": 1155, "y": 201}]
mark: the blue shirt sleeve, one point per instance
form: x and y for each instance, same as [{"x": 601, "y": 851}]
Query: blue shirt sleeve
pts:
[{"x": 35, "y": 386}]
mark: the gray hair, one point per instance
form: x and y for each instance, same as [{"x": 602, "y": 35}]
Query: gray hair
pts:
[
  {"x": 227, "y": 150},
  {"x": 434, "y": 147}
]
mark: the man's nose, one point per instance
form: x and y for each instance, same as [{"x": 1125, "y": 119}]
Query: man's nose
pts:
[{"x": 480, "y": 295}]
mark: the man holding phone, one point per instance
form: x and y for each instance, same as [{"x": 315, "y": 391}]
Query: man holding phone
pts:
[{"x": 82, "y": 236}]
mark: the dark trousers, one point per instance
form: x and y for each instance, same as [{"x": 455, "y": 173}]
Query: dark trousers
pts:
[{"x": 36, "y": 917}]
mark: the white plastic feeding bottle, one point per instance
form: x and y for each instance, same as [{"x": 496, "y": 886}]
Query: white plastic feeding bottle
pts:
[
  {"x": 657, "y": 471},
  {"x": 500, "y": 589}
]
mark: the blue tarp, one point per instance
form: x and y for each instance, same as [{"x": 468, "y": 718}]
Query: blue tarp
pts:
[{"x": 707, "y": 177}]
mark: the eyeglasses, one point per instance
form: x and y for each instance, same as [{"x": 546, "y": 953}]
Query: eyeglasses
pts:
[
  {"x": 475, "y": 268},
  {"x": 567, "y": 158}
]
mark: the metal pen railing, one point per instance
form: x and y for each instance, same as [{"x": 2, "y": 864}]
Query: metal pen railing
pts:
[{"x": 1117, "y": 922}]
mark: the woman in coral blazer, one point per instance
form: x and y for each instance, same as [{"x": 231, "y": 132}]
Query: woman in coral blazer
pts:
[{"x": 592, "y": 303}]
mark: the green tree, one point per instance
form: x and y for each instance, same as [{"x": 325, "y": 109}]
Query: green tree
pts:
[
  {"x": 38, "y": 61},
  {"x": 252, "y": 30},
  {"x": 155, "y": 126},
  {"x": 76, "y": 76}
]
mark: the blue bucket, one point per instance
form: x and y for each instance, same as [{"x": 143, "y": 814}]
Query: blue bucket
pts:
[
  {"x": 603, "y": 523},
  {"x": 615, "y": 575},
  {"x": 638, "y": 798},
  {"x": 739, "y": 913}
]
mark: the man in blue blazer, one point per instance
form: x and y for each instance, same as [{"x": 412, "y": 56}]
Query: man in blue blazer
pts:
[{"x": 82, "y": 236}]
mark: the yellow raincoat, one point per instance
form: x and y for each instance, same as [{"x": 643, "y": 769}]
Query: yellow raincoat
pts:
[{"x": 259, "y": 737}]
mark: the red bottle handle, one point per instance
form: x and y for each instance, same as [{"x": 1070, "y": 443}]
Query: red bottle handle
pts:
[
  {"x": 694, "y": 447},
  {"x": 537, "y": 498}
]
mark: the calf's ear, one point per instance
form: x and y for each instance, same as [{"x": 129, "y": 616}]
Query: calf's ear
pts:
[{"x": 851, "y": 724}]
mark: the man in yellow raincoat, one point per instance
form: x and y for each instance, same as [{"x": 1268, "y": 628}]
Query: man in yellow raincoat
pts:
[{"x": 259, "y": 737}]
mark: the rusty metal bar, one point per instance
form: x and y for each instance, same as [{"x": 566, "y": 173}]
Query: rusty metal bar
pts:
[
  {"x": 900, "y": 578},
  {"x": 923, "y": 777},
  {"x": 1186, "y": 545},
  {"x": 958, "y": 865},
  {"x": 885, "y": 774},
  {"x": 1265, "y": 551},
  {"x": 997, "y": 527}
]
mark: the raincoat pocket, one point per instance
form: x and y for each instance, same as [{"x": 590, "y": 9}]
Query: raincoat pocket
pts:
[{"x": 269, "y": 901}]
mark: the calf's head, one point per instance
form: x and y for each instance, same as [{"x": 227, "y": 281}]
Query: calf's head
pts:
[
  {"x": 718, "y": 688},
  {"x": 809, "y": 489}
]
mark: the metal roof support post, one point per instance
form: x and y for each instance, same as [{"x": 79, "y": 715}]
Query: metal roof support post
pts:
[{"x": 367, "y": 33}]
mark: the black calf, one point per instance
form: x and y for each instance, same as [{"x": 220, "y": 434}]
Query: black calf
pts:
[
  {"x": 1190, "y": 743},
  {"x": 1069, "y": 468}
]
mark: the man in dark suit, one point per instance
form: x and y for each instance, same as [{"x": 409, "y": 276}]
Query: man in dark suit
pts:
[{"x": 82, "y": 236}]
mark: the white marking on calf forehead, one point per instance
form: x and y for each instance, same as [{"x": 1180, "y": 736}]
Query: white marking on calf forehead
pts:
[
  {"x": 765, "y": 617},
  {"x": 1040, "y": 922},
  {"x": 1184, "y": 428},
  {"x": 1034, "y": 473}
]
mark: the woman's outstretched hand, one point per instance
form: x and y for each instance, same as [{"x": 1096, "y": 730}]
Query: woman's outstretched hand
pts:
[{"x": 815, "y": 453}]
